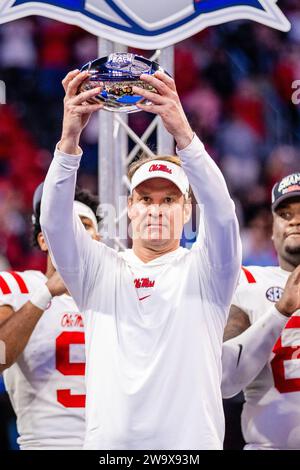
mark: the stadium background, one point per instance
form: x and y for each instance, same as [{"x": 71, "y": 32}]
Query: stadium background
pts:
[{"x": 235, "y": 82}]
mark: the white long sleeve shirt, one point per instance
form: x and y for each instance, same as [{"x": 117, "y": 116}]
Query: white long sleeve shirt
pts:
[{"x": 153, "y": 330}]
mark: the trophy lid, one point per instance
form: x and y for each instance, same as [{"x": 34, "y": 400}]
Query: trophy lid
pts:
[{"x": 120, "y": 65}]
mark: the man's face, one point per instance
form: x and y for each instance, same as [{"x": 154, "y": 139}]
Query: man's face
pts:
[
  {"x": 158, "y": 211},
  {"x": 286, "y": 231},
  {"x": 89, "y": 227}
]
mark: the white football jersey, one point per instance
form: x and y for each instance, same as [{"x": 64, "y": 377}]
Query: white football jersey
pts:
[
  {"x": 46, "y": 384},
  {"x": 271, "y": 413}
]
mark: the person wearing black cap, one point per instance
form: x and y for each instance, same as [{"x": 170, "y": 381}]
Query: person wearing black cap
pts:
[
  {"x": 43, "y": 373},
  {"x": 261, "y": 352}
]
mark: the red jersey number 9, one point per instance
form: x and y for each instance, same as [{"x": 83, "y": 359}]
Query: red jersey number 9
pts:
[{"x": 63, "y": 364}]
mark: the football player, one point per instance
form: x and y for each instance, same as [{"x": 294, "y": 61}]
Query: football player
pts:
[
  {"x": 262, "y": 351},
  {"x": 43, "y": 342}
]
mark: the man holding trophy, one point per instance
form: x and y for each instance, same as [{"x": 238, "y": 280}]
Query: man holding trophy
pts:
[{"x": 153, "y": 349}]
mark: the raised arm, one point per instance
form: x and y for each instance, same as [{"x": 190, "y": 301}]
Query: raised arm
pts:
[
  {"x": 218, "y": 230},
  {"x": 69, "y": 244},
  {"x": 219, "y": 238},
  {"x": 245, "y": 355}
]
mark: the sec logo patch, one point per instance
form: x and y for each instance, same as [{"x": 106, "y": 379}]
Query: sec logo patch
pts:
[{"x": 274, "y": 294}]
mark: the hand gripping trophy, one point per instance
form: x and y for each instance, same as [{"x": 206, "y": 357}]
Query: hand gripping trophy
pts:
[{"x": 116, "y": 74}]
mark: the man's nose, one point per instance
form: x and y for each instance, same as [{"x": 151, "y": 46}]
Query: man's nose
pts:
[
  {"x": 154, "y": 210},
  {"x": 295, "y": 220}
]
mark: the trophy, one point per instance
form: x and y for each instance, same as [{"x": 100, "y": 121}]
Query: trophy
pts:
[{"x": 116, "y": 74}]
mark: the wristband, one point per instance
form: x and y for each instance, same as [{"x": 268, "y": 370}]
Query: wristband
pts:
[{"x": 41, "y": 298}]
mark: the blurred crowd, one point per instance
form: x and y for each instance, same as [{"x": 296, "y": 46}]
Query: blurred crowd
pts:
[{"x": 235, "y": 82}]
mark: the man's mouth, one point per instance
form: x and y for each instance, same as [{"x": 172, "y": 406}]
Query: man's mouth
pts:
[
  {"x": 293, "y": 234},
  {"x": 156, "y": 225}
]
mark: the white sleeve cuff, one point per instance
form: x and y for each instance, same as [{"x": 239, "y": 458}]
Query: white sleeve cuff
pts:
[
  {"x": 67, "y": 160},
  {"x": 41, "y": 298}
]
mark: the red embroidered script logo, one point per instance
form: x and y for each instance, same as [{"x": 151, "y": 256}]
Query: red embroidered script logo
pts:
[
  {"x": 160, "y": 167},
  {"x": 143, "y": 282},
  {"x": 72, "y": 319}
]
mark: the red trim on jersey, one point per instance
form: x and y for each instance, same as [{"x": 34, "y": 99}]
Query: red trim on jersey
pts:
[
  {"x": 20, "y": 282},
  {"x": 4, "y": 286},
  {"x": 249, "y": 276}
]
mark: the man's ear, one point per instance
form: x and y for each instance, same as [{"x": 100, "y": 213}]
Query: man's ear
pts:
[
  {"x": 187, "y": 211},
  {"x": 41, "y": 241},
  {"x": 129, "y": 207}
]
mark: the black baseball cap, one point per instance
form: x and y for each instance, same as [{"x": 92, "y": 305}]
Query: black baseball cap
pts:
[{"x": 286, "y": 188}]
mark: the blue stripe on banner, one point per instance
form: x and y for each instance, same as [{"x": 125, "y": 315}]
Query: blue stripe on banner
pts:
[
  {"x": 207, "y": 6},
  {"x": 200, "y": 7},
  {"x": 77, "y": 5}
]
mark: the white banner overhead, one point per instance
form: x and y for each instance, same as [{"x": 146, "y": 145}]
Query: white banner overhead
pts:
[{"x": 147, "y": 24}]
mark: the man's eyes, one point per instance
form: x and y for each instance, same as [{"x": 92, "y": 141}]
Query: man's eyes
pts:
[
  {"x": 285, "y": 215},
  {"x": 167, "y": 200}
]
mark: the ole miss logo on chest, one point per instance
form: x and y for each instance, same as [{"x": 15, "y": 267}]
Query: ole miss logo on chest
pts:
[
  {"x": 144, "y": 283},
  {"x": 72, "y": 320}
]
